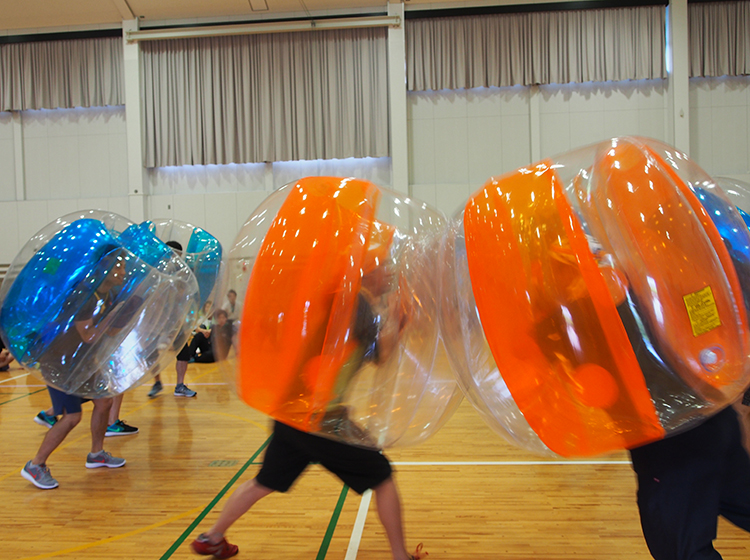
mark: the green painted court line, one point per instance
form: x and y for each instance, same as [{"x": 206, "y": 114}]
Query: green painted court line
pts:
[
  {"x": 211, "y": 505},
  {"x": 332, "y": 524},
  {"x": 24, "y": 396}
]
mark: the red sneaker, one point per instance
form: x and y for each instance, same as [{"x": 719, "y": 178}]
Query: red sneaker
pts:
[{"x": 222, "y": 549}]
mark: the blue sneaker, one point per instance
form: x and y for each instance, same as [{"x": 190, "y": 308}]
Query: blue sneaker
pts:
[
  {"x": 120, "y": 428},
  {"x": 44, "y": 419}
]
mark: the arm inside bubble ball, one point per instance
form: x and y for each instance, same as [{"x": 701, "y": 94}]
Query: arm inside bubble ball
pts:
[
  {"x": 96, "y": 317},
  {"x": 5, "y": 358},
  {"x": 91, "y": 329}
]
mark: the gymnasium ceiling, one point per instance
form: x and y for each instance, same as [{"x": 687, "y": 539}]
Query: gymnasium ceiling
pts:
[{"x": 35, "y": 16}]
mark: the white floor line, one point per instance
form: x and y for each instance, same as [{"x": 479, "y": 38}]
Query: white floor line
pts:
[
  {"x": 40, "y": 385},
  {"x": 359, "y": 526},
  {"x": 507, "y": 463},
  {"x": 16, "y": 377}
]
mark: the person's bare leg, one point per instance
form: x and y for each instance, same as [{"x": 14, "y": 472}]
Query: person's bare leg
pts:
[
  {"x": 181, "y": 368},
  {"x": 114, "y": 411},
  {"x": 389, "y": 512},
  {"x": 99, "y": 418},
  {"x": 55, "y": 436},
  {"x": 245, "y": 497}
]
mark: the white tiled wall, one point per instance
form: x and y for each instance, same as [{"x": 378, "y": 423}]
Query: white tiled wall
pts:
[
  {"x": 7, "y": 158},
  {"x": 75, "y": 153},
  {"x": 719, "y": 119},
  {"x": 76, "y": 159},
  {"x": 459, "y": 139}
]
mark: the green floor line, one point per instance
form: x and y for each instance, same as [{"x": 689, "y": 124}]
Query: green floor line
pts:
[
  {"x": 23, "y": 396},
  {"x": 332, "y": 524},
  {"x": 210, "y": 506}
]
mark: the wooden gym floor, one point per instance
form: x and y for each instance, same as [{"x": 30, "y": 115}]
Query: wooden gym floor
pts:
[{"x": 466, "y": 493}]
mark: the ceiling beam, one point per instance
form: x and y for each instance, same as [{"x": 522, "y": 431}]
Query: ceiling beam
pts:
[
  {"x": 124, "y": 8},
  {"x": 257, "y": 28}
]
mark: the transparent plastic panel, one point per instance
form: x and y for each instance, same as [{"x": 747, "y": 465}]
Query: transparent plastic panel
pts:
[
  {"x": 92, "y": 312},
  {"x": 598, "y": 300},
  {"x": 338, "y": 330}
]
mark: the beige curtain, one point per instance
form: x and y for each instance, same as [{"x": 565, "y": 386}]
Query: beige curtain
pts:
[
  {"x": 718, "y": 37},
  {"x": 276, "y": 97},
  {"x": 61, "y": 74},
  {"x": 536, "y": 48}
]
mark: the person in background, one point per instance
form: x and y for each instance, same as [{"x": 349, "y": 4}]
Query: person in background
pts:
[
  {"x": 180, "y": 390},
  {"x": 231, "y": 306}
]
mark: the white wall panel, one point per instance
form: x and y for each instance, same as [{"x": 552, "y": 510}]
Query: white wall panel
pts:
[
  {"x": 586, "y": 128},
  {"x": 555, "y": 133},
  {"x": 32, "y": 216},
  {"x": 652, "y": 96},
  {"x": 118, "y": 164},
  {"x": 99, "y": 203},
  {"x": 450, "y": 198},
  {"x": 701, "y": 142},
  {"x": 653, "y": 123},
  {"x": 221, "y": 218},
  {"x": 485, "y": 148},
  {"x": 11, "y": 243},
  {"x": 161, "y": 206},
  {"x": 619, "y": 123},
  {"x": 37, "y": 167},
  {"x": 450, "y": 104},
  {"x": 588, "y": 98},
  {"x": 425, "y": 193},
  {"x": 62, "y": 207},
  {"x": 421, "y": 151},
  {"x": 515, "y": 100},
  {"x": 484, "y": 102},
  {"x": 516, "y": 142},
  {"x": 451, "y": 150},
  {"x": 730, "y": 154},
  {"x": 7, "y": 167},
  {"x": 190, "y": 209},
  {"x": 555, "y": 99},
  {"x": 420, "y": 105},
  {"x": 729, "y": 92},
  {"x": 94, "y": 165},
  {"x": 247, "y": 202},
  {"x": 64, "y": 167},
  {"x": 699, "y": 92}
]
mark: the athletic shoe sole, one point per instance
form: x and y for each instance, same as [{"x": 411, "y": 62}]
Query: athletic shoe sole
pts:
[
  {"x": 42, "y": 422},
  {"x": 112, "y": 434},
  {"x": 33, "y": 481},
  {"x": 98, "y": 465}
]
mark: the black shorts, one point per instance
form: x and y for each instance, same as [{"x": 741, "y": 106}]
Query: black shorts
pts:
[
  {"x": 290, "y": 451},
  {"x": 184, "y": 354}
]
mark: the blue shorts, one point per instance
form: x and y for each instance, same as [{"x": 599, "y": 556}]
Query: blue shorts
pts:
[{"x": 63, "y": 402}]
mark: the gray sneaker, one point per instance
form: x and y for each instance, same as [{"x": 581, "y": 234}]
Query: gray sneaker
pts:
[
  {"x": 181, "y": 390},
  {"x": 155, "y": 390},
  {"x": 103, "y": 459},
  {"x": 39, "y": 476}
]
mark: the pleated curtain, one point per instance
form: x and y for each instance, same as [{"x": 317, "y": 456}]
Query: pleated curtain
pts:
[
  {"x": 264, "y": 98},
  {"x": 61, "y": 74},
  {"x": 536, "y": 48},
  {"x": 718, "y": 35}
]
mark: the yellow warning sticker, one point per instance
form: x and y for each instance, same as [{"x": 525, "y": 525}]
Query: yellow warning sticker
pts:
[{"x": 702, "y": 311}]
